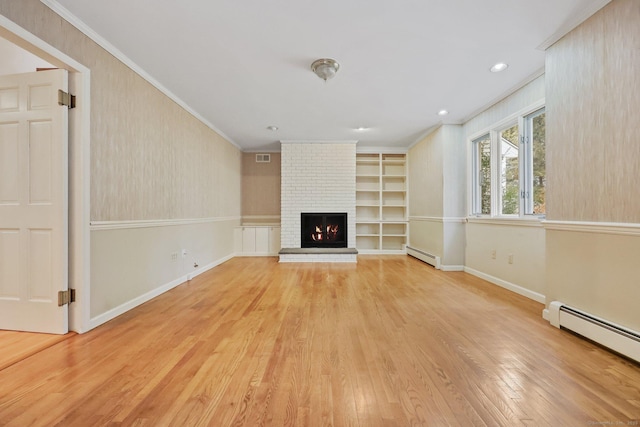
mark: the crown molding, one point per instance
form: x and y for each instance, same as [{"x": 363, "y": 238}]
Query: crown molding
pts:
[
  {"x": 65, "y": 14},
  {"x": 573, "y": 22},
  {"x": 319, "y": 141}
]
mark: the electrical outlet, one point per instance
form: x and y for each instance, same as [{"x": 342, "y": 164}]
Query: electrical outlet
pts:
[
  {"x": 493, "y": 254},
  {"x": 174, "y": 256},
  {"x": 510, "y": 258}
]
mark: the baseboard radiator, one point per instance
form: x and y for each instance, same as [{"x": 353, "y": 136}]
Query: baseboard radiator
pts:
[
  {"x": 608, "y": 334},
  {"x": 424, "y": 256}
]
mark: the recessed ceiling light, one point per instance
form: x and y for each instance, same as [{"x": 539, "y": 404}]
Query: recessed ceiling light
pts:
[
  {"x": 362, "y": 129},
  {"x": 500, "y": 66},
  {"x": 272, "y": 128},
  {"x": 443, "y": 112}
]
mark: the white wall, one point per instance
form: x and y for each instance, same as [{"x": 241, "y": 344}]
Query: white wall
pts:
[
  {"x": 317, "y": 177},
  {"x": 152, "y": 165},
  {"x": 132, "y": 262},
  {"x": 16, "y": 60},
  {"x": 524, "y": 239},
  {"x": 593, "y": 158},
  {"x": 437, "y": 189}
]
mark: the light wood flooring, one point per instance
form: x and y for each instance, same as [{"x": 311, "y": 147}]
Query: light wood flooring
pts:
[
  {"x": 16, "y": 346},
  {"x": 387, "y": 342}
]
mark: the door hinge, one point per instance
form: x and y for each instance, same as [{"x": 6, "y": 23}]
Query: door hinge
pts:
[
  {"x": 66, "y": 297},
  {"x": 65, "y": 98}
]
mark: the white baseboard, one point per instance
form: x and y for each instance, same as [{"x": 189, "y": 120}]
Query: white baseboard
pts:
[
  {"x": 255, "y": 254},
  {"x": 452, "y": 267},
  {"x": 507, "y": 285},
  {"x": 123, "y": 308}
]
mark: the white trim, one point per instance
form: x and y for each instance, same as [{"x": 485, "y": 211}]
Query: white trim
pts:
[
  {"x": 86, "y": 30},
  {"x": 574, "y": 20},
  {"x": 115, "y": 225},
  {"x": 262, "y": 151},
  {"x": 507, "y": 285},
  {"x": 425, "y": 134},
  {"x": 446, "y": 219},
  {"x": 256, "y": 220},
  {"x": 123, "y": 308},
  {"x": 382, "y": 251},
  {"x": 26, "y": 40},
  {"x": 329, "y": 258},
  {"x": 452, "y": 267},
  {"x": 381, "y": 150},
  {"x": 617, "y": 228},
  {"x": 507, "y": 120},
  {"x": 79, "y": 165},
  {"x": 512, "y": 222},
  {"x": 319, "y": 141},
  {"x": 504, "y": 96}
]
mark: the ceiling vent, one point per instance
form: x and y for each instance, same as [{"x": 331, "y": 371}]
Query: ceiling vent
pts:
[{"x": 263, "y": 158}]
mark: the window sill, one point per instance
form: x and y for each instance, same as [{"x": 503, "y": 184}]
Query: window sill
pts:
[{"x": 508, "y": 221}]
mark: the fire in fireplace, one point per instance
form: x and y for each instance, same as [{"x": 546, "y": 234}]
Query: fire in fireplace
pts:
[{"x": 323, "y": 230}]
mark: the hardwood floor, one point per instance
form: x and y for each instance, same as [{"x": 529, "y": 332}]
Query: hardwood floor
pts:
[
  {"x": 387, "y": 342},
  {"x": 16, "y": 346}
]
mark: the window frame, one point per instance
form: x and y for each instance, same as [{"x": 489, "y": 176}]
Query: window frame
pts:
[
  {"x": 524, "y": 120},
  {"x": 527, "y": 140}
]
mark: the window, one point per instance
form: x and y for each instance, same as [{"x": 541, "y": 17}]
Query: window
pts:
[
  {"x": 509, "y": 168},
  {"x": 482, "y": 166},
  {"x": 509, "y": 171},
  {"x": 537, "y": 179}
]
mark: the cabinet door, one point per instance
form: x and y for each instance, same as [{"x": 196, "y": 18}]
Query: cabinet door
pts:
[
  {"x": 262, "y": 239},
  {"x": 248, "y": 240},
  {"x": 274, "y": 240}
]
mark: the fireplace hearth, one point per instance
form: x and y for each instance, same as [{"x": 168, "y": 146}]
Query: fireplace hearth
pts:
[{"x": 323, "y": 230}]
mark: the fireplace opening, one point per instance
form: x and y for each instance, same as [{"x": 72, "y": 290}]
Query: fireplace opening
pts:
[{"x": 323, "y": 230}]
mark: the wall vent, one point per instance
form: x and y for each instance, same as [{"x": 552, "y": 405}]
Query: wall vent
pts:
[{"x": 263, "y": 158}]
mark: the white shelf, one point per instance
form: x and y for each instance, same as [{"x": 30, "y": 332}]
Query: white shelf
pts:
[{"x": 381, "y": 203}]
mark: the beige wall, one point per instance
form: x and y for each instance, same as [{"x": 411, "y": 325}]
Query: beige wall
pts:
[
  {"x": 593, "y": 99},
  {"x": 260, "y": 188},
  {"x": 426, "y": 180},
  {"x": 593, "y": 165},
  {"x": 437, "y": 195},
  {"x": 151, "y": 161}
]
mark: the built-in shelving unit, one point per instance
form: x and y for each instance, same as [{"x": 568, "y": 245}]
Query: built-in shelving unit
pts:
[{"x": 381, "y": 203}]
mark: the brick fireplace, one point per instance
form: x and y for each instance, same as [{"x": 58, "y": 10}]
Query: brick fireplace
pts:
[{"x": 318, "y": 177}]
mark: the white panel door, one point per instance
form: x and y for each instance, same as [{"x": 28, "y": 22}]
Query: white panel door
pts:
[{"x": 33, "y": 202}]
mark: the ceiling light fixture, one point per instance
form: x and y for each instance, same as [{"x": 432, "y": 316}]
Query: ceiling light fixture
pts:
[
  {"x": 443, "y": 112},
  {"x": 362, "y": 129},
  {"x": 325, "y": 68},
  {"x": 272, "y": 128},
  {"x": 500, "y": 66}
]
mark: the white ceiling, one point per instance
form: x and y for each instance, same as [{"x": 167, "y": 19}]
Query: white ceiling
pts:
[{"x": 245, "y": 65}]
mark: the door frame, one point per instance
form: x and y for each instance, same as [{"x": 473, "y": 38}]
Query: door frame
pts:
[{"x": 79, "y": 168}]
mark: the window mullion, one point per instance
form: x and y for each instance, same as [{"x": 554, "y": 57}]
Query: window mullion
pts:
[
  {"x": 523, "y": 163},
  {"x": 496, "y": 191}
]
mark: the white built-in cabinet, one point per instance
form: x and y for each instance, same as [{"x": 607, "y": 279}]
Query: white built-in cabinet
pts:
[
  {"x": 381, "y": 203},
  {"x": 257, "y": 240}
]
